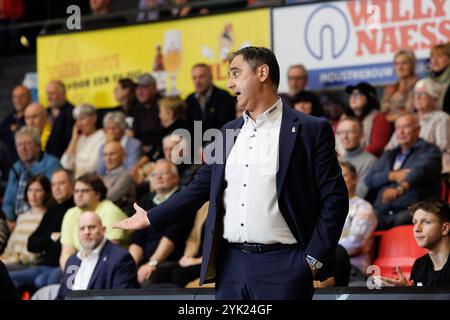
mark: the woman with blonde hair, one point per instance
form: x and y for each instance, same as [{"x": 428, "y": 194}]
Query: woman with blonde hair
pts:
[
  {"x": 434, "y": 123},
  {"x": 398, "y": 97}
]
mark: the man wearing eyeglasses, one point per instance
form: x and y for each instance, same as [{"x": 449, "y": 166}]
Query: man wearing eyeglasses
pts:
[
  {"x": 89, "y": 195},
  {"x": 151, "y": 247},
  {"x": 349, "y": 134}
]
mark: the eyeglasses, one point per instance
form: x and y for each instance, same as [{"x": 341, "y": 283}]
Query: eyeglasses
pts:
[
  {"x": 82, "y": 190},
  {"x": 420, "y": 94},
  {"x": 162, "y": 173}
]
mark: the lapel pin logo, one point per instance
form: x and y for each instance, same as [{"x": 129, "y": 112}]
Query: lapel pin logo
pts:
[
  {"x": 293, "y": 129},
  {"x": 104, "y": 259}
]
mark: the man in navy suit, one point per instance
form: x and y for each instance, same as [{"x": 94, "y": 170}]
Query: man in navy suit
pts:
[
  {"x": 100, "y": 264},
  {"x": 278, "y": 201}
]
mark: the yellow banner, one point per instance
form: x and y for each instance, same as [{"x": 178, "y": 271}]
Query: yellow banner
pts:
[{"x": 90, "y": 63}]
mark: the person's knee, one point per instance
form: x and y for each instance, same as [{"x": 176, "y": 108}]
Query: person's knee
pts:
[{"x": 40, "y": 281}]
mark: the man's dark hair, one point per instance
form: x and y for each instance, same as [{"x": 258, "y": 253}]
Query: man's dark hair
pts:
[
  {"x": 68, "y": 173},
  {"x": 350, "y": 167},
  {"x": 436, "y": 206},
  {"x": 95, "y": 182},
  {"x": 256, "y": 57}
]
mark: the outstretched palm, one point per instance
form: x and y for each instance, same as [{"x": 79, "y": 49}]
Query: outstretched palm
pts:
[{"x": 136, "y": 222}]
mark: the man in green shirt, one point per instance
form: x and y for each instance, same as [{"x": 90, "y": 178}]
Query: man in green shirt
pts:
[{"x": 89, "y": 195}]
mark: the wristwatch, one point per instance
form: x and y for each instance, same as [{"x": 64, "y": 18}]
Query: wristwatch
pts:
[
  {"x": 153, "y": 263},
  {"x": 314, "y": 263}
]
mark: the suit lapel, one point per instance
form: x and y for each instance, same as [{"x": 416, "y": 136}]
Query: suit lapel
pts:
[
  {"x": 102, "y": 259},
  {"x": 288, "y": 135}
]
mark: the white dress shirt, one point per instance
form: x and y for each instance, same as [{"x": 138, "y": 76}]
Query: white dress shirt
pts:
[
  {"x": 250, "y": 197},
  {"x": 87, "y": 266}
]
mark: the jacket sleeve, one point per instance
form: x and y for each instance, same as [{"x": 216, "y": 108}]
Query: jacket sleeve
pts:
[
  {"x": 378, "y": 175},
  {"x": 125, "y": 274},
  {"x": 427, "y": 168},
  {"x": 333, "y": 196},
  {"x": 9, "y": 198},
  {"x": 188, "y": 200}
]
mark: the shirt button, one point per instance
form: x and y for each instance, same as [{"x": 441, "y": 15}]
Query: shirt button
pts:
[
  {"x": 245, "y": 185},
  {"x": 242, "y": 224},
  {"x": 246, "y": 165},
  {"x": 254, "y": 130},
  {"x": 251, "y": 147},
  {"x": 242, "y": 204}
]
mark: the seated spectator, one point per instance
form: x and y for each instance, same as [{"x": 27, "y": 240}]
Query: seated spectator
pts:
[
  {"x": 125, "y": 95},
  {"x": 407, "y": 174},
  {"x": 297, "y": 80},
  {"x": 82, "y": 154},
  {"x": 188, "y": 267},
  {"x": 434, "y": 123},
  {"x": 151, "y": 247},
  {"x": 4, "y": 232},
  {"x": 398, "y": 97},
  {"x": 36, "y": 117},
  {"x": 99, "y": 264},
  {"x": 60, "y": 111},
  {"x": 308, "y": 103},
  {"x": 114, "y": 126},
  {"x": 350, "y": 134},
  {"x": 186, "y": 171},
  {"x": 365, "y": 107},
  {"x": 21, "y": 98},
  {"x": 440, "y": 72},
  {"x": 31, "y": 162},
  {"x": 146, "y": 124},
  {"x": 38, "y": 196},
  {"x": 89, "y": 195},
  {"x": 101, "y": 16},
  {"x": 183, "y": 8},
  {"x": 150, "y": 10},
  {"x": 361, "y": 222},
  {"x": 45, "y": 239},
  {"x": 120, "y": 185},
  {"x": 431, "y": 219},
  {"x": 209, "y": 104},
  {"x": 172, "y": 114}
]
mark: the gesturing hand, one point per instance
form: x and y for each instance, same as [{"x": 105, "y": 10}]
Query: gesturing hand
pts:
[{"x": 136, "y": 222}]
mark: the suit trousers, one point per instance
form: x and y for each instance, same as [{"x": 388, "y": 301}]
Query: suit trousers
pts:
[{"x": 280, "y": 274}]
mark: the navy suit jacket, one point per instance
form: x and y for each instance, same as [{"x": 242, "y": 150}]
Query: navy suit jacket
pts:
[
  {"x": 219, "y": 109},
  {"x": 115, "y": 269},
  {"x": 312, "y": 195}
]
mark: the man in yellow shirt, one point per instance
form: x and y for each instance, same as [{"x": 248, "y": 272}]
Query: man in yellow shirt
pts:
[
  {"x": 89, "y": 195},
  {"x": 36, "y": 117}
]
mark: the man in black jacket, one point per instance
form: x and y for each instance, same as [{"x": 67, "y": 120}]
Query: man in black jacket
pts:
[
  {"x": 45, "y": 239},
  {"x": 60, "y": 111},
  {"x": 209, "y": 104}
]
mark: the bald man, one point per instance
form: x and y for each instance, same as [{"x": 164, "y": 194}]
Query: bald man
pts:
[
  {"x": 99, "y": 264},
  {"x": 60, "y": 111},
  {"x": 37, "y": 118},
  {"x": 404, "y": 175},
  {"x": 21, "y": 97},
  {"x": 121, "y": 188}
]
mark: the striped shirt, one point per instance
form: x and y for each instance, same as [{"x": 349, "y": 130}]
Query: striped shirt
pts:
[{"x": 16, "y": 249}]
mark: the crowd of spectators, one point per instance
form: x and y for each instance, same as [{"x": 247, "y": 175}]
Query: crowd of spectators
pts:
[{"x": 68, "y": 173}]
